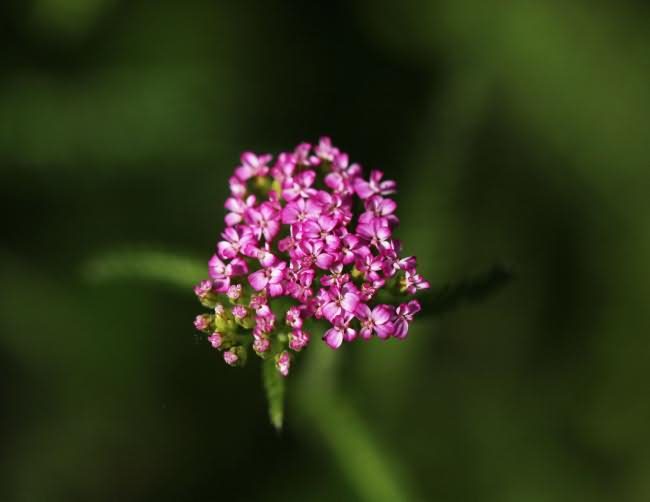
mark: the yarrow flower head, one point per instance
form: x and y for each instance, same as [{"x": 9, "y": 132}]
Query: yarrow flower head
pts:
[{"x": 307, "y": 238}]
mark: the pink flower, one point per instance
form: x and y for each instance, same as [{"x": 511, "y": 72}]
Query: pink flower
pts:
[
  {"x": 341, "y": 300},
  {"x": 237, "y": 187},
  {"x": 376, "y": 233},
  {"x": 336, "y": 277},
  {"x": 374, "y": 186},
  {"x": 325, "y": 150},
  {"x": 322, "y": 229},
  {"x": 299, "y": 186},
  {"x": 379, "y": 208},
  {"x": 300, "y": 287},
  {"x": 270, "y": 278},
  {"x": 301, "y": 210},
  {"x": 263, "y": 221},
  {"x": 335, "y": 336},
  {"x": 237, "y": 208},
  {"x": 311, "y": 253},
  {"x": 252, "y": 165},
  {"x": 369, "y": 264},
  {"x": 301, "y": 154},
  {"x": 222, "y": 272},
  {"x": 350, "y": 245},
  {"x": 234, "y": 241},
  {"x": 377, "y": 320},
  {"x": 404, "y": 314},
  {"x": 413, "y": 282}
]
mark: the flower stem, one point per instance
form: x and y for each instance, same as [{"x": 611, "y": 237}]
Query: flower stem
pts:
[{"x": 335, "y": 422}]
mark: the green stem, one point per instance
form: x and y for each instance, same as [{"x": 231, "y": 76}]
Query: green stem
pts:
[{"x": 335, "y": 422}]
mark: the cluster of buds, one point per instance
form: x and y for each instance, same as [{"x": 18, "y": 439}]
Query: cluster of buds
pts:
[{"x": 307, "y": 237}]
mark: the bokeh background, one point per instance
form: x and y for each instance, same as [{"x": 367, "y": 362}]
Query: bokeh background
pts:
[{"x": 518, "y": 132}]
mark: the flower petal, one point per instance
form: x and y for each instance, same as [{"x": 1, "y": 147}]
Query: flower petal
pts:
[
  {"x": 258, "y": 280},
  {"x": 333, "y": 337}
]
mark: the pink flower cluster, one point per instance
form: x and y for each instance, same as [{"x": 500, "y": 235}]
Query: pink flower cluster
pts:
[{"x": 307, "y": 237}]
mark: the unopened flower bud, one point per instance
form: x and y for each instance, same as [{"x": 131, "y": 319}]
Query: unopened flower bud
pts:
[
  {"x": 239, "y": 312},
  {"x": 230, "y": 357},
  {"x": 204, "y": 291},
  {"x": 236, "y": 356},
  {"x": 202, "y": 322},
  {"x": 221, "y": 319},
  {"x": 234, "y": 292},
  {"x": 215, "y": 339},
  {"x": 293, "y": 317},
  {"x": 261, "y": 344},
  {"x": 283, "y": 363},
  {"x": 298, "y": 339}
]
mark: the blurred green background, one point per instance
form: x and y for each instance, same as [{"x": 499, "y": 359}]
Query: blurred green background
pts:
[{"x": 518, "y": 132}]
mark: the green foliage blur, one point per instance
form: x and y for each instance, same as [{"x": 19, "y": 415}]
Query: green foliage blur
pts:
[{"x": 518, "y": 134}]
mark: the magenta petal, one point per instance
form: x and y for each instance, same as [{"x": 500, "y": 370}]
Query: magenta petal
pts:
[
  {"x": 327, "y": 223},
  {"x": 388, "y": 206},
  {"x": 290, "y": 214},
  {"x": 324, "y": 260},
  {"x": 249, "y": 158},
  {"x": 238, "y": 266},
  {"x": 401, "y": 328},
  {"x": 381, "y": 314},
  {"x": 365, "y": 333},
  {"x": 333, "y": 337},
  {"x": 226, "y": 250},
  {"x": 349, "y": 335},
  {"x": 384, "y": 330},
  {"x": 234, "y": 205},
  {"x": 258, "y": 280},
  {"x": 221, "y": 284},
  {"x": 363, "y": 189},
  {"x": 232, "y": 219},
  {"x": 277, "y": 274},
  {"x": 382, "y": 232},
  {"x": 275, "y": 290},
  {"x": 332, "y": 242},
  {"x": 272, "y": 229},
  {"x": 365, "y": 230},
  {"x": 310, "y": 228},
  {"x": 331, "y": 310},
  {"x": 350, "y": 302},
  {"x": 362, "y": 311},
  {"x": 414, "y": 307}
]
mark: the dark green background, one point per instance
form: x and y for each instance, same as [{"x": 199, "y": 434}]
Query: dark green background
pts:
[{"x": 518, "y": 133}]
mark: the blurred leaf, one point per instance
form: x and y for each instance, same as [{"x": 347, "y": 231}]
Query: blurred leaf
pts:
[
  {"x": 274, "y": 387},
  {"x": 154, "y": 265},
  {"x": 470, "y": 290},
  {"x": 68, "y": 18}
]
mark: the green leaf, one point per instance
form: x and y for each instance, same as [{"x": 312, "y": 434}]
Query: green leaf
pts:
[
  {"x": 145, "y": 264},
  {"x": 274, "y": 387}
]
